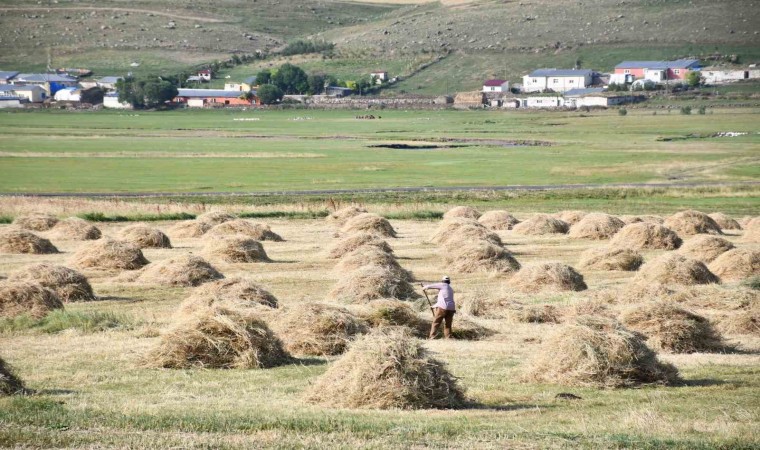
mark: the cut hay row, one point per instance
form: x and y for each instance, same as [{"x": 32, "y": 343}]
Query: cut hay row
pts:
[
  {"x": 144, "y": 236},
  {"x": 228, "y": 292},
  {"x": 596, "y": 226},
  {"x": 10, "y": 384},
  {"x": 541, "y": 224},
  {"x": 465, "y": 212},
  {"x": 341, "y": 216},
  {"x": 35, "y": 221},
  {"x": 692, "y": 222},
  {"x": 355, "y": 241},
  {"x": 24, "y": 297},
  {"x": 705, "y": 248},
  {"x": 18, "y": 241},
  {"x": 611, "y": 258},
  {"x": 498, "y": 220},
  {"x": 257, "y": 231},
  {"x": 369, "y": 223},
  {"x": 76, "y": 229},
  {"x": 646, "y": 236},
  {"x": 547, "y": 277},
  {"x": 68, "y": 284},
  {"x": 185, "y": 270},
  {"x": 109, "y": 254},
  {"x": 674, "y": 269},
  {"x": 235, "y": 249}
]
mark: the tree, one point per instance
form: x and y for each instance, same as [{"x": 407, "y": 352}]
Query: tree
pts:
[
  {"x": 291, "y": 79},
  {"x": 269, "y": 94},
  {"x": 263, "y": 77},
  {"x": 146, "y": 92},
  {"x": 316, "y": 83},
  {"x": 693, "y": 79}
]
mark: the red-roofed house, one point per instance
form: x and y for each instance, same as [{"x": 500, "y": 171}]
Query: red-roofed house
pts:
[
  {"x": 205, "y": 74},
  {"x": 496, "y": 86}
]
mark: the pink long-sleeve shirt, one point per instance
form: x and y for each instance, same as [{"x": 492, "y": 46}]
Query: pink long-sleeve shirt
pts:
[{"x": 445, "y": 296}]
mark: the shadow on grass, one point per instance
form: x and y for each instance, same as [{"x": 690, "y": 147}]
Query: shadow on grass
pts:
[{"x": 500, "y": 408}]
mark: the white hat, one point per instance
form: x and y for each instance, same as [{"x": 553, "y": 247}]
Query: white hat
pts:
[{"x": 445, "y": 278}]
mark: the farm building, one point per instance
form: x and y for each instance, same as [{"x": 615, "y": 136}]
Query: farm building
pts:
[
  {"x": 548, "y": 101},
  {"x": 10, "y": 102},
  {"x": 496, "y": 86},
  {"x": 68, "y": 95},
  {"x": 658, "y": 71},
  {"x": 469, "y": 100},
  {"x": 718, "y": 75},
  {"x": 111, "y": 100},
  {"x": 6, "y": 76},
  {"x": 335, "y": 91},
  {"x": 50, "y": 82},
  {"x": 200, "y": 98},
  {"x": 246, "y": 85},
  {"x": 380, "y": 76},
  {"x": 33, "y": 94},
  {"x": 108, "y": 83},
  {"x": 556, "y": 80},
  {"x": 578, "y": 98}
]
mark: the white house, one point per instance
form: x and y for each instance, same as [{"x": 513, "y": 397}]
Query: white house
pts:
[
  {"x": 31, "y": 93},
  {"x": 556, "y": 80},
  {"x": 496, "y": 86},
  {"x": 543, "y": 102},
  {"x": 50, "y": 82},
  {"x": 595, "y": 97},
  {"x": 111, "y": 100},
  {"x": 7, "y": 76}
]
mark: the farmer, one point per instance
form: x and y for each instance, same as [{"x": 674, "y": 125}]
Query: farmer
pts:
[{"x": 444, "y": 308}]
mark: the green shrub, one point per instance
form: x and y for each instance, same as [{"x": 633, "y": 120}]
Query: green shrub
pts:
[
  {"x": 701, "y": 110},
  {"x": 686, "y": 110},
  {"x": 622, "y": 112}
]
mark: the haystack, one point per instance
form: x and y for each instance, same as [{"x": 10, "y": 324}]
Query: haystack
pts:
[
  {"x": 109, "y": 254},
  {"x": 479, "y": 256},
  {"x": 257, "y": 231},
  {"x": 316, "y": 329},
  {"x": 369, "y": 223},
  {"x": 220, "y": 338},
  {"x": 596, "y": 226},
  {"x": 737, "y": 264},
  {"x": 228, "y": 292},
  {"x": 466, "y": 212},
  {"x": 611, "y": 258},
  {"x": 215, "y": 217},
  {"x": 387, "y": 369},
  {"x": 669, "y": 328},
  {"x": 498, "y": 220},
  {"x": 674, "y": 269},
  {"x": 514, "y": 311},
  {"x": 551, "y": 276},
  {"x": 752, "y": 231},
  {"x": 36, "y": 221},
  {"x": 341, "y": 216},
  {"x": 598, "y": 353},
  {"x": 16, "y": 240},
  {"x": 370, "y": 283},
  {"x": 645, "y": 235},
  {"x": 144, "y": 236},
  {"x": 725, "y": 222},
  {"x": 186, "y": 270},
  {"x": 692, "y": 222},
  {"x": 352, "y": 242},
  {"x": 742, "y": 321},
  {"x": 395, "y": 313},
  {"x": 571, "y": 217},
  {"x": 235, "y": 249},
  {"x": 371, "y": 256},
  {"x": 10, "y": 384},
  {"x": 541, "y": 224},
  {"x": 189, "y": 229},
  {"x": 705, "y": 248},
  {"x": 76, "y": 229},
  {"x": 639, "y": 219},
  {"x": 463, "y": 230},
  {"x": 70, "y": 285},
  {"x": 24, "y": 297}
]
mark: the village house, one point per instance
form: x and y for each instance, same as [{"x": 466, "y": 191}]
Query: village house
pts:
[
  {"x": 111, "y": 100},
  {"x": 548, "y": 101},
  {"x": 202, "y": 98},
  {"x": 205, "y": 74},
  {"x": 577, "y": 98},
  {"x": 496, "y": 86},
  {"x": 7, "y": 76},
  {"x": 556, "y": 80},
  {"x": 658, "y": 71},
  {"x": 247, "y": 85},
  {"x": 108, "y": 83},
  {"x": 50, "y": 82},
  {"x": 380, "y": 76},
  {"x": 30, "y": 93}
]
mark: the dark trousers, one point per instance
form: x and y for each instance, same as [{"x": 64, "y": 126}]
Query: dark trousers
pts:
[{"x": 442, "y": 315}]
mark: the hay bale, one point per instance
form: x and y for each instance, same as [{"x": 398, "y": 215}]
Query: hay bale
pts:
[
  {"x": 144, "y": 236},
  {"x": 316, "y": 329},
  {"x": 551, "y": 276},
  {"x": 705, "y": 248},
  {"x": 355, "y": 241},
  {"x": 611, "y": 258},
  {"x": 10, "y": 384},
  {"x": 371, "y": 283},
  {"x": 341, "y": 216},
  {"x": 371, "y": 256},
  {"x": 68, "y": 284},
  {"x": 109, "y": 254},
  {"x": 76, "y": 229},
  {"x": 596, "y": 226},
  {"x": 571, "y": 217},
  {"x": 36, "y": 221},
  {"x": 674, "y": 269},
  {"x": 479, "y": 256},
  {"x": 219, "y": 338},
  {"x": 228, "y": 292},
  {"x": 669, "y": 328},
  {"x": 752, "y": 231},
  {"x": 24, "y": 297},
  {"x": 257, "y": 231},
  {"x": 498, "y": 220},
  {"x": 541, "y": 224},
  {"x": 16, "y": 240},
  {"x": 186, "y": 270},
  {"x": 692, "y": 222},
  {"x": 737, "y": 264},
  {"x": 395, "y": 313},
  {"x": 369, "y": 223},
  {"x": 235, "y": 249},
  {"x": 215, "y": 217},
  {"x": 466, "y": 212},
  {"x": 645, "y": 235},
  {"x": 459, "y": 230},
  {"x": 387, "y": 369},
  {"x": 725, "y": 222},
  {"x": 189, "y": 229}
]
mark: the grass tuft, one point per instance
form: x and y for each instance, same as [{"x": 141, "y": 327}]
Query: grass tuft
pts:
[{"x": 60, "y": 320}]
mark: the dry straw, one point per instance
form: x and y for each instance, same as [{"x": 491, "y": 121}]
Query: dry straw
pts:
[
  {"x": 596, "y": 226},
  {"x": 737, "y": 264},
  {"x": 550, "y": 276},
  {"x": 228, "y": 292},
  {"x": 10, "y": 384},
  {"x": 597, "y": 353},
  {"x": 478, "y": 256},
  {"x": 505, "y": 308},
  {"x": 189, "y": 229},
  {"x": 387, "y": 369},
  {"x": 672, "y": 329},
  {"x": 466, "y": 212},
  {"x": 725, "y": 222},
  {"x": 752, "y": 231},
  {"x": 674, "y": 269},
  {"x": 458, "y": 230},
  {"x": 220, "y": 338},
  {"x": 109, "y": 254},
  {"x": 745, "y": 321},
  {"x": 371, "y": 256},
  {"x": 541, "y": 224},
  {"x": 257, "y": 231},
  {"x": 646, "y": 236},
  {"x": 144, "y": 236},
  {"x": 353, "y": 242},
  {"x": 571, "y": 217},
  {"x": 235, "y": 249},
  {"x": 36, "y": 221},
  {"x": 70, "y": 285},
  {"x": 611, "y": 258},
  {"x": 498, "y": 220},
  {"x": 692, "y": 222},
  {"x": 369, "y": 223},
  {"x": 394, "y": 313},
  {"x": 215, "y": 217},
  {"x": 341, "y": 216},
  {"x": 16, "y": 240},
  {"x": 186, "y": 270},
  {"x": 657, "y": 220},
  {"x": 371, "y": 283},
  {"x": 705, "y": 248},
  {"x": 24, "y": 297},
  {"x": 76, "y": 229}
]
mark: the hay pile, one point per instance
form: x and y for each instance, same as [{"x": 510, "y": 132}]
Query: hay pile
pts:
[
  {"x": 611, "y": 258},
  {"x": 514, "y": 311},
  {"x": 669, "y": 328},
  {"x": 186, "y": 270},
  {"x": 752, "y": 231},
  {"x": 541, "y": 224},
  {"x": 466, "y": 212},
  {"x": 725, "y": 222},
  {"x": 371, "y": 256},
  {"x": 597, "y": 353},
  {"x": 571, "y": 217},
  {"x": 737, "y": 264},
  {"x": 498, "y": 220},
  {"x": 355, "y": 241},
  {"x": 596, "y": 226},
  {"x": 316, "y": 329},
  {"x": 459, "y": 230},
  {"x": 341, "y": 216},
  {"x": 109, "y": 254},
  {"x": 10, "y": 384},
  {"x": 36, "y": 221},
  {"x": 745, "y": 320},
  {"x": 639, "y": 219},
  {"x": 230, "y": 293},
  {"x": 220, "y": 338},
  {"x": 68, "y": 284},
  {"x": 369, "y": 223},
  {"x": 371, "y": 283},
  {"x": 395, "y": 313},
  {"x": 692, "y": 222},
  {"x": 705, "y": 248},
  {"x": 674, "y": 269},
  {"x": 215, "y": 217},
  {"x": 387, "y": 369},
  {"x": 257, "y": 231},
  {"x": 24, "y": 297},
  {"x": 478, "y": 256},
  {"x": 144, "y": 236},
  {"x": 645, "y": 235},
  {"x": 235, "y": 249},
  {"x": 551, "y": 276},
  {"x": 15, "y": 240},
  {"x": 590, "y": 307},
  {"x": 76, "y": 229},
  {"x": 189, "y": 229}
]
